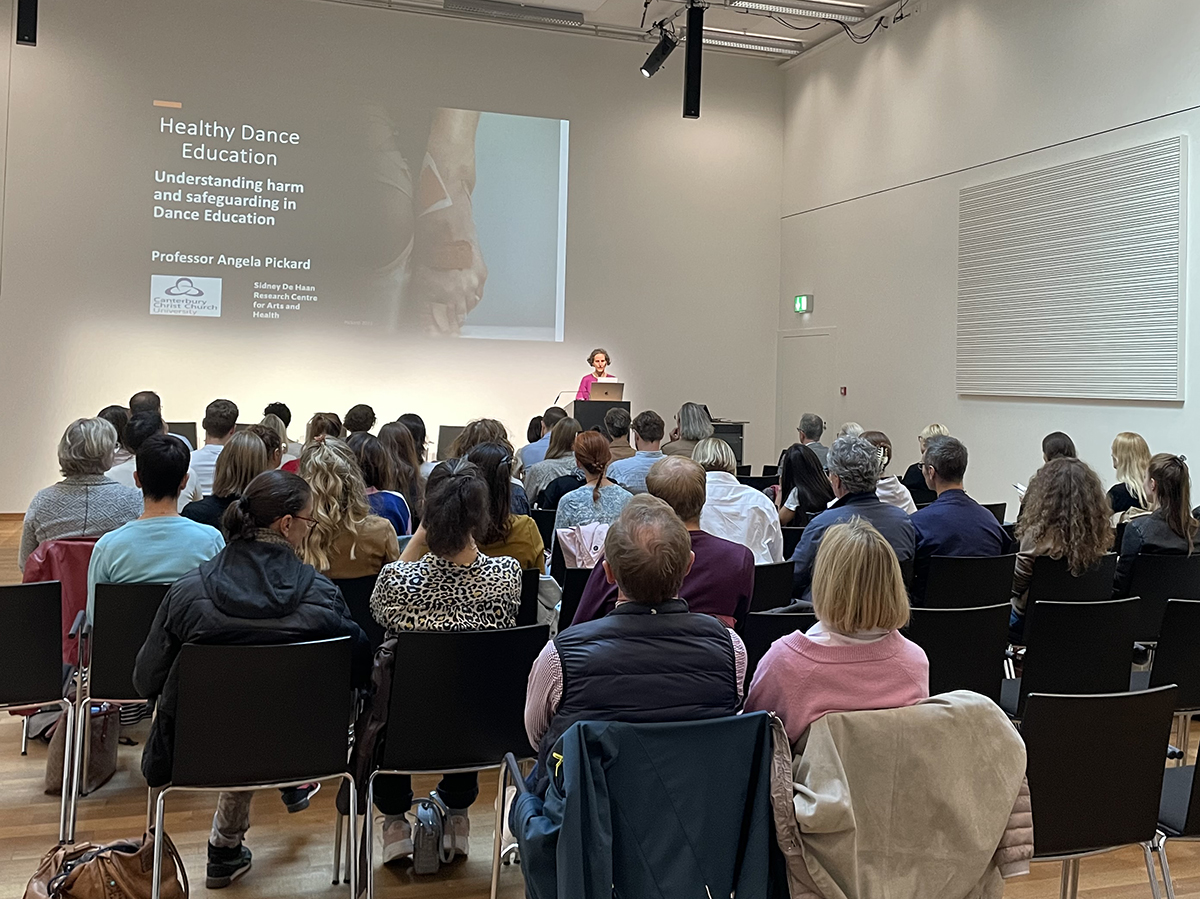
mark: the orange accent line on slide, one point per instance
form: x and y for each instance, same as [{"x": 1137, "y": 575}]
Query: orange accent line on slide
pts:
[{"x": 170, "y": 104}]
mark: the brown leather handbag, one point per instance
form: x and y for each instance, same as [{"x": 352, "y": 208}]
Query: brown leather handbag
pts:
[{"x": 120, "y": 870}]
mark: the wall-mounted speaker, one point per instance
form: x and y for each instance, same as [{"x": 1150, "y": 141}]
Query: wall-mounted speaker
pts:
[
  {"x": 27, "y": 22},
  {"x": 691, "y": 71}
]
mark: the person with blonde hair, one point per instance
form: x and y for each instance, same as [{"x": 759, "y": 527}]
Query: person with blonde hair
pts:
[
  {"x": 242, "y": 460},
  {"x": 345, "y": 540},
  {"x": 850, "y": 429},
  {"x": 85, "y": 503},
  {"x": 1131, "y": 460},
  {"x": 914, "y": 476},
  {"x": 734, "y": 511},
  {"x": 560, "y": 459},
  {"x": 692, "y": 425},
  {"x": 854, "y": 658},
  {"x": 275, "y": 423},
  {"x": 1170, "y": 529},
  {"x": 320, "y": 426}
]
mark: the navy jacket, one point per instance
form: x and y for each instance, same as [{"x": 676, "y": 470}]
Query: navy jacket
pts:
[
  {"x": 953, "y": 525},
  {"x": 889, "y": 520},
  {"x": 677, "y": 809}
]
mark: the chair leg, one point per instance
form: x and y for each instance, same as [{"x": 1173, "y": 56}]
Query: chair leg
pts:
[
  {"x": 1150, "y": 872},
  {"x": 24, "y": 735},
  {"x": 1186, "y": 719},
  {"x": 352, "y": 843},
  {"x": 86, "y": 729},
  {"x": 337, "y": 849},
  {"x": 1068, "y": 887},
  {"x": 1159, "y": 845},
  {"x": 160, "y": 812},
  {"x": 66, "y": 811},
  {"x": 369, "y": 837},
  {"x": 500, "y": 784}
]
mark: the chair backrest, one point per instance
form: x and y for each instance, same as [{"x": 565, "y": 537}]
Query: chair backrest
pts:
[
  {"x": 770, "y": 471},
  {"x": 558, "y": 563},
  {"x": 743, "y": 470},
  {"x": 791, "y": 539},
  {"x": 1157, "y": 578},
  {"x": 574, "y": 582},
  {"x": 965, "y": 647},
  {"x": 261, "y": 714},
  {"x": 997, "y": 509},
  {"x": 1119, "y": 535},
  {"x": 31, "y": 668},
  {"x": 906, "y": 571},
  {"x": 121, "y": 619},
  {"x": 461, "y": 697},
  {"x": 65, "y": 560},
  {"x": 357, "y": 593},
  {"x": 1177, "y": 658},
  {"x": 772, "y": 586},
  {"x": 1075, "y": 745},
  {"x": 186, "y": 429},
  {"x": 761, "y": 629},
  {"x": 956, "y": 582},
  {"x": 1078, "y": 647},
  {"x": 1052, "y": 580},
  {"x": 527, "y": 611},
  {"x": 544, "y": 519},
  {"x": 757, "y": 482}
]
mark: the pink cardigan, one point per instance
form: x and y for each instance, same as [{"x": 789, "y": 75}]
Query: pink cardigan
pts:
[{"x": 801, "y": 680}]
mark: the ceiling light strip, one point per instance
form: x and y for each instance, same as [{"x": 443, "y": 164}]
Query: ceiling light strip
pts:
[{"x": 797, "y": 8}]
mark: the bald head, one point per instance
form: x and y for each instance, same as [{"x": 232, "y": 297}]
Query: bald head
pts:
[
  {"x": 679, "y": 482},
  {"x": 647, "y": 551}
]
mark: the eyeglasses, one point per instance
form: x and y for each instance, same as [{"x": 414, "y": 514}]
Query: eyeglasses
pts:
[{"x": 303, "y": 518}]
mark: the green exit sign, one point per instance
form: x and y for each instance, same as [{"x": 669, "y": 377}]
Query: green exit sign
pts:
[{"x": 804, "y": 302}]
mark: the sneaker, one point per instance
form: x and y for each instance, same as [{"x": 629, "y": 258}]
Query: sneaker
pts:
[
  {"x": 226, "y": 865},
  {"x": 456, "y": 833},
  {"x": 397, "y": 838},
  {"x": 507, "y": 838},
  {"x": 296, "y": 798}
]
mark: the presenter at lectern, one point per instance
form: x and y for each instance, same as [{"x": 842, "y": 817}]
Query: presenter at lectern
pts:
[{"x": 599, "y": 361}]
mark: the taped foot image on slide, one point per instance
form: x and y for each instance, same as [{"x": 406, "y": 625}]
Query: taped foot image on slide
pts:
[{"x": 183, "y": 295}]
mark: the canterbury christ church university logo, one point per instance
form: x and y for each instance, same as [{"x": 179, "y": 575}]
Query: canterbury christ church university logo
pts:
[{"x": 175, "y": 295}]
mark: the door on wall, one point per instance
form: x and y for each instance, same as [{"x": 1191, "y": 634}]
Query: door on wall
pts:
[{"x": 806, "y": 380}]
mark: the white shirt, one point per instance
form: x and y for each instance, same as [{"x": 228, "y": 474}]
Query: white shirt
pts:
[
  {"x": 742, "y": 514},
  {"x": 123, "y": 474},
  {"x": 890, "y": 490},
  {"x": 204, "y": 463}
]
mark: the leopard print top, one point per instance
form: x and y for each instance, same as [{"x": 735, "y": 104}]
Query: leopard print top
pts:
[{"x": 433, "y": 594}]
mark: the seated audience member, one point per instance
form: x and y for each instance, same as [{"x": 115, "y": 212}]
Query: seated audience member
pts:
[
  {"x": 284, "y": 414},
  {"x": 256, "y": 590},
  {"x": 734, "y": 511},
  {"x": 359, "y": 419},
  {"x": 616, "y": 423},
  {"x": 803, "y": 485},
  {"x": 553, "y": 492},
  {"x": 149, "y": 401},
  {"x": 220, "y": 420},
  {"x": 489, "y": 430},
  {"x": 853, "y": 472},
  {"x": 508, "y": 533},
  {"x": 810, "y": 429},
  {"x": 453, "y": 586},
  {"x": 320, "y": 426},
  {"x": 850, "y": 429},
  {"x": 630, "y": 473},
  {"x": 1057, "y": 445},
  {"x": 118, "y": 417},
  {"x": 1065, "y": 516},
  {"x": 721, "y": 578},
  {"x": 1131, "y": 460},
  {"x": 953, "y": 524},
  {"x": 84, "y": 503},
  {"x": 275, "y": 423},
  {"x": 560, "y": 459},
  {"x": 888, "y": 488},
  {"x": 914, "y": 477},
  {"x": 397, "y": 442},
  {"x": 243, "y": 459},
  {"x": 533, "y": 432},
  {"x": 685, "y": 666},
  {"x": 1170, "y": 529},
  {"x": 535, "y": 452},
  {"x": 160, "y": 546},
  {"x": 380, "y": 480},
  {"x": 272, "y": 442},
  {"x": 345, "y": 540},
  {"x": 692, "y": 425},
  {"x": 416, "y": 428},
  {"x": 599, "y": 500},
  {"x": 140, "y": 427},
  {"x": 854, "y": 657}
]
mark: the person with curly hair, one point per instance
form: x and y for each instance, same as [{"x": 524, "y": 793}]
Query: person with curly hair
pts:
[
  {"x": 1066, "y": 516},
  {"x": 345, "y": 540}
]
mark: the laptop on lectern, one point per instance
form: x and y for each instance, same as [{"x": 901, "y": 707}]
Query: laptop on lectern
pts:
[{"x": 606, "y": 389}]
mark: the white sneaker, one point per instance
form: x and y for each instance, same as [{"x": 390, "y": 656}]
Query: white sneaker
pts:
[
  {"x": 508, "y": 839},
  {"x": 397, "y": 838},
  {"x": 456, "y": 834}
]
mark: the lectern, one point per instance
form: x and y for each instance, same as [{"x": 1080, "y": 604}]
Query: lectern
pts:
[{"x": 590, "y": 413}]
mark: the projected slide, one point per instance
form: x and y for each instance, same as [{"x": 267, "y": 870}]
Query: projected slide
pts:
[{"x": 450, "y": 223}]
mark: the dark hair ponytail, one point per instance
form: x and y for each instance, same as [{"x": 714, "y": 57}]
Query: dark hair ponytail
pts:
[
  {"x": 456, "y": 506},
  {"x": 266, "y": 499},
  {"x": 1173, "y": 494}
]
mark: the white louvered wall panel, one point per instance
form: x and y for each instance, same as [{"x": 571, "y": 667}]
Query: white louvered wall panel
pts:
[{"x": 1071, "y": 279}]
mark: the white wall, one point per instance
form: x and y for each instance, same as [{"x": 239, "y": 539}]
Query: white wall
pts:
[
  {"x": 878, "y": 141},
  {"x": 673, "y": 227}
]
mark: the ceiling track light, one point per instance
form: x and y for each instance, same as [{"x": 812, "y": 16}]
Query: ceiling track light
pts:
[
  {"x": 758, "y": 43},
  {"x": 851, "y": 15},
  {"x": 496, "y": 9},
  {"x": 666, "y": 43}
]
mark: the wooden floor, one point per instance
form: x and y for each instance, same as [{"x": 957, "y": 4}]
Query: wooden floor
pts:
[{"x": 293, "y": 853}]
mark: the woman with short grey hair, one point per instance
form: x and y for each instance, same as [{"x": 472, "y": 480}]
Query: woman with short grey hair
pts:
[
  {"x": 855, "y": 462},
  {"x": 84, "y": 503},
  {"x": 692, "y": 425}
]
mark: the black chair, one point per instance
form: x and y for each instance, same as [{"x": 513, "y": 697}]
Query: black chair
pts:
[
  {"x": 956, "y": 582},
  {"x": 301, "y": 701},
  {"x": 791, "y": 539},
  {"x": 743, "y": 470},
  {"x": 544, "y": 519},
  {"x": 997, "y": 509},
  {"x": 965, "y": 647},
  {"x": 1074, "y": 648},
  {"x": 1052, "y": 580},
  {"x": 1157, "y": 578},
  {"x": 357, "y": 593},
  {"x": 1073, "y": 743},
  {"x": 185, "y": 429},
  {"x": 1119, "y": 536},
  {"x": 772, "y": 586},
  {"x": 1178, "y": 814},
  {"x": 761, "y": 629},
  {"x": 574, "y": 582},
  {"x": 558, "y": 564},
  {"x": 770, "y": 471},
  {"x": 757, "y": 482},
  {"x": 906, "y": 572},
  {"x": 31, "y": 668},
  {"x": 527, "y": 612},
  {"x": 465, "y": 719},
  {"x": 1177, "y": 661}
]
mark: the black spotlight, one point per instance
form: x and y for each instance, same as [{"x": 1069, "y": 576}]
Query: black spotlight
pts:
[{"x": 659, "y": 54}]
